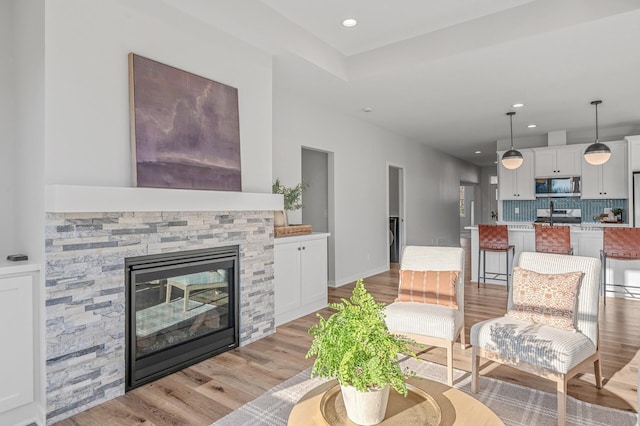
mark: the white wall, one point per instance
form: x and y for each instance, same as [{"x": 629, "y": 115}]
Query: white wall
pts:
[
  {"x": 29, "y": 42},
  {"x": 361, "y": 152},
  {"x": 87, "y": 99},
  {"x": 7, "y": 129}
]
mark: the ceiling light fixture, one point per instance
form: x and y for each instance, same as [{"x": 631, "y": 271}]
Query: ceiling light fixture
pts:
[
  {"x": 349, "y": 22},
  {"x": 517, "y": 105},
  {"x": 532, "y": 126},
  {"x": 512, "y": 159},
  {"x": 478, "y": 152},
  {"x": 367, "y": 109},
  {"x": 597, "y": 153}
]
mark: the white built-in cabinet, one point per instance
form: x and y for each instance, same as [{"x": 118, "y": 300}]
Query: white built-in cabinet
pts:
[
  {"x": 17, "y": 334},
  {"x": 300, "y": 275},
  {"x": 518, "y": 184},
  {"x": 558, "y": 162},
  {"x": 609, "y": 180}
]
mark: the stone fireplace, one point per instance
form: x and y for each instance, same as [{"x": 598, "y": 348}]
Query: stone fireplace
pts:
[{"x": 85, "y": 288}]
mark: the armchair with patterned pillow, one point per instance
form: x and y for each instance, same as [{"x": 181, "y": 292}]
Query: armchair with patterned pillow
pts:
[
  {"x": 551, "y": 327},
  {"x": 430, "y": 304}
]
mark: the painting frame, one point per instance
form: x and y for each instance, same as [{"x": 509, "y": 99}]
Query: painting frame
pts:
[{"x": 185, "y": 129}]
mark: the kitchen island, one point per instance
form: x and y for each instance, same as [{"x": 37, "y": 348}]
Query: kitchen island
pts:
[{"x": 586, "y": 240}]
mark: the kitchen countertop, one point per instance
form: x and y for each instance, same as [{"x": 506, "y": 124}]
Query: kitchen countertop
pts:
[{"x": 528, "y": 226}]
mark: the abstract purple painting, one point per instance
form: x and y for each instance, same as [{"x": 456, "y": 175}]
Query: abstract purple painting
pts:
[{"x": 185, "y": 131}]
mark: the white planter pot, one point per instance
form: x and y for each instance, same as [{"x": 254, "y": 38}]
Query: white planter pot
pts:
[{"x": 365, "y": 408}]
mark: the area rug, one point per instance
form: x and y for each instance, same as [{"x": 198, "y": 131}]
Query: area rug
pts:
[{"x": 514, "y": 404}]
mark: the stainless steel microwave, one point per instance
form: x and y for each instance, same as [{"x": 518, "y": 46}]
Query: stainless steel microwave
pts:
[{"x": 558, "y": 187}]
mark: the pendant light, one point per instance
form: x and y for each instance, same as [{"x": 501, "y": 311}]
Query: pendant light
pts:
[
  {"x": 512, "y": 159},
  {"x": 597, "y": 153}
]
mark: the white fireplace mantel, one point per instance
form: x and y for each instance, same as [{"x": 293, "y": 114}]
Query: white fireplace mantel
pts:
[{"x": 78, "y": 198}]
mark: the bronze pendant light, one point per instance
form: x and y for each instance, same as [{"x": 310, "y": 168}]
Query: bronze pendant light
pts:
[
  {"x": 597, "y": 153},
  {"x": 512, "y": 159}
]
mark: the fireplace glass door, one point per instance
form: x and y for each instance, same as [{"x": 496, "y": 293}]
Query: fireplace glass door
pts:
[{"x": 181, "y": 309}]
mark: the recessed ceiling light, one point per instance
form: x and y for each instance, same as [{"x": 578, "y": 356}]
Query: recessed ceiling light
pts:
[
  {"x": 367, "y": 109},
  {"x": 532, "y": 126},
  {"x": 517, "y": 105},
  {"x": 349, "y": 22},
  {"x": 495, "y": 162},
  {"x": 478, "y": 152}
]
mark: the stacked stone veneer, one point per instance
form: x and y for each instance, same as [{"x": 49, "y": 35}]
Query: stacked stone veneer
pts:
[{"x": 85, "y": 305}]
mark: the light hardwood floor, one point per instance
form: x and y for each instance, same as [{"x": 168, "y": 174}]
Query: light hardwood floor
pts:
[{"x": 211, "y": 389}]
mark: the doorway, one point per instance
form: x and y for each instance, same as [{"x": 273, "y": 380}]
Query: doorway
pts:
[
  {"x": 317, "y": 205},
  {"x": 395, "y": 239},
  {"x": 467, "y": 208}
]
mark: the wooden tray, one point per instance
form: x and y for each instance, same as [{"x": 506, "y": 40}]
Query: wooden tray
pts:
[
  {"x": 288, "y": 231},
  {"x": 418, "y": 408}
]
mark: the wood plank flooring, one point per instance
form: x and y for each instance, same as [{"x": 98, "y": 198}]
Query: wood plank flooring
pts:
[{"x": 207, "y": 391}]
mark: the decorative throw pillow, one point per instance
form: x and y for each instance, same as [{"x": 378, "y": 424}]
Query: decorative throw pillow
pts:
[
  {"x": 545, "y": 298},
  {"x": 435, "y": 287}
]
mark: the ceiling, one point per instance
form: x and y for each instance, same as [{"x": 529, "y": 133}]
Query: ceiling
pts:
[{"x": 444, "y": 73}]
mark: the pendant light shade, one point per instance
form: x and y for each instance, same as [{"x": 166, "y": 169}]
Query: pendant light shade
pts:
[
  {"x": 597, "y": 153},
  {"x": 512, "y": 159}
]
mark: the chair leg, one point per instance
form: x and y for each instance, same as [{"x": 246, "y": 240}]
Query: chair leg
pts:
[
  {"x": 484, "y": 267},
  {"x": 463, "y": 339},
  {"x": 598, "y": 373},
  {"x": 450, "y": 364},
  {"x": 475, "y": 366},
  {"x": 562, "y": 401},
  {"x": 479, "y": 254},
  {"x": 507, "y": 271},
  {"x": 604, "y": 279}
]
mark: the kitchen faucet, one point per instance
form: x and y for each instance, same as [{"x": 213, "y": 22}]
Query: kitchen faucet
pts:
[{"x": 551, "y": 213}]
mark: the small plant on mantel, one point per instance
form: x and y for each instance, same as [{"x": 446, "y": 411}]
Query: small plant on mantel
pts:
[
  {"x": 292, "y": 200},
  {"x": 292, "y": 196},
  {"x": 355, "y": 346}
]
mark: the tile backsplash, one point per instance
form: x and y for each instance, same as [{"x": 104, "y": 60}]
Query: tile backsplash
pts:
[{"x": 590, "y": 208}]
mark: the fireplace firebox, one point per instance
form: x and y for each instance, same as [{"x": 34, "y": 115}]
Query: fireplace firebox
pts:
[{"x": 181, "y": 308}]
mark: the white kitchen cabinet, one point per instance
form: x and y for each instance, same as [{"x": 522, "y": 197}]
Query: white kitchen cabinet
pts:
[
  {"x": 634, "y": 152},
  {"x": 560, "y": 162},
  {"x": 300, "y": 280},
  {"x": 608, "y": 180},
  {"x": 17, "y": 337},
  {"x": 518, "y": 184}
]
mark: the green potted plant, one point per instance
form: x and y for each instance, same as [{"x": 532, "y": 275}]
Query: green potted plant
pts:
[
  {"x": 354, "y": 346},
  {"x": 617, "y": 213},
  {"x": 292, "y": 199}
]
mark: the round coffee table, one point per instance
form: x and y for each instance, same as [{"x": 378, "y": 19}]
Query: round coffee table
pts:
[{"x": 457, "y": 407}]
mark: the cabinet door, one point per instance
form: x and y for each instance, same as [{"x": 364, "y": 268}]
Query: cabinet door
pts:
[
  {"x": 568, "y": 161},
  {"x": 16, "y": 335},
  {"x": 314, "y": 270},
  {"x": 614, "y": 173},
  {"x": 591, "y": 181},
  {"x": 545, "y": 163},
  {"x": 506, "y": 183},
  {"x": 286, "y": 266},
  {"x": 525, "y": 180},
  {"x": 588, "y": 243}
]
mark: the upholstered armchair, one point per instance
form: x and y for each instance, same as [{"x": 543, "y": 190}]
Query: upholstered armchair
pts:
[
  {"x": 430, "y": 304},
  {"x": 554, "y": 342}
]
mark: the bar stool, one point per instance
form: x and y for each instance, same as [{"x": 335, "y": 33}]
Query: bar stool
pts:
[
  {"x": 619, "y": 244},
  {"x": 550, "y": 239},
  {"x": 494, "y": 238}
]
